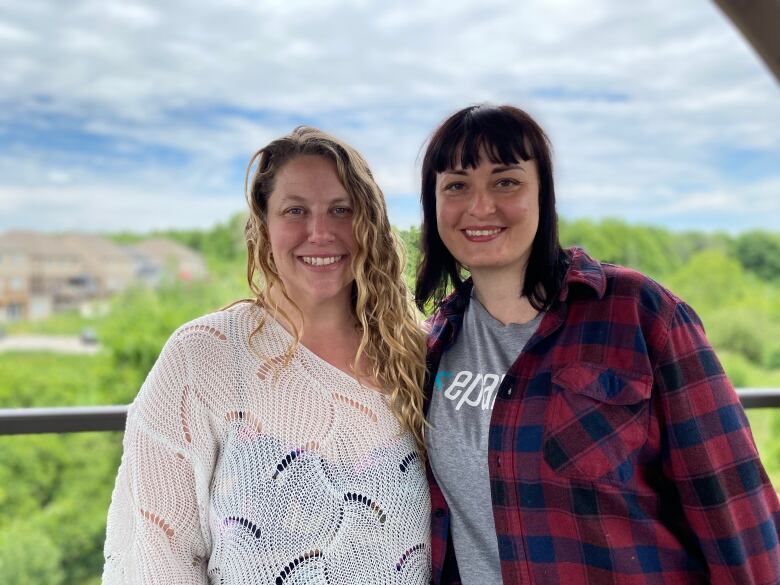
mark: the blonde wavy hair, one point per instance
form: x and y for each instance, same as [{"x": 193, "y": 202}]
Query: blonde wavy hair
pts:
[{"x": 392, "y": 343}]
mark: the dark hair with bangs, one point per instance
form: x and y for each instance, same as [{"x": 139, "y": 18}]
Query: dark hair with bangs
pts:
[{"x": 506, "y": 134}]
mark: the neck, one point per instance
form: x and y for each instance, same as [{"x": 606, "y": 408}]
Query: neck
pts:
[
  {"x": 329, "y": 331},
  {"x": 501, "y": 293},
  {"x": 316, "y": 318}
]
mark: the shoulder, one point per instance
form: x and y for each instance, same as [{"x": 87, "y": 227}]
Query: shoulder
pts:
[
  {"x": 604, "y": 292},
  {"x": 633, "y": 297},
  {"x": 632, "y": 285},
  {"x": 588, "y": 279},
  {"x": 239, "y": 336},
  {"x": 202, "y": 348},
  {"x": 449, "y": 312},
  {"x": 221, "y": 327},
  {"x": 201, "y": 356}
]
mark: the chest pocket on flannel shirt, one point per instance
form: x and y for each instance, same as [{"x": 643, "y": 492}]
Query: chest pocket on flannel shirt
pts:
[{"x": 597, "y": 419}]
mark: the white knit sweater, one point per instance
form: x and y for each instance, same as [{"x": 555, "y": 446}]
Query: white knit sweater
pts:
[{"x": 232, "y": 475}]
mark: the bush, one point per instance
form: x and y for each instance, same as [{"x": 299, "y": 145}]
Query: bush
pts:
[
  {"x": 28, "y": 556},
  {"x": 773, "y": 358},
  {"x": 742, "y": 331},
  {"x": 759, "y": 252},
  {"x": 737, "y": 368},
  {"x": 709, "y": 281}
]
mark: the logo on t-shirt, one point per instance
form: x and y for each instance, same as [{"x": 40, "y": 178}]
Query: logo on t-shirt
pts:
[{"x": 470, "y": 389}]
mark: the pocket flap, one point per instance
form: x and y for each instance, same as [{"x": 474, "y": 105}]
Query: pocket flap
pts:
[{"x": 604, "y": 384}]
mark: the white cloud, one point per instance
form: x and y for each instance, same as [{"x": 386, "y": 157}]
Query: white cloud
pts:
[
  {"x": 637, "y": 98},
  {"x": 98, "y": 208},
  {"x": 13, "y": 34}
]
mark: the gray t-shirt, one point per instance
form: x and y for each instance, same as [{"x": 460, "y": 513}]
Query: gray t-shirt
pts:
[{"x": 465, "y": 389}]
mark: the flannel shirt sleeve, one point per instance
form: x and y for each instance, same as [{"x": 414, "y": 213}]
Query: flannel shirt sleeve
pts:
[{"x": 728, "y": 501}]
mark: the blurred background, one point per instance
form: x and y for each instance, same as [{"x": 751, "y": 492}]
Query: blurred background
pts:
[{"x": 125, "y": 129}]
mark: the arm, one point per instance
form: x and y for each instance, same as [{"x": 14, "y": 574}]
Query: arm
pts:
[
  {"x": 155, "y": 531},
  {"x": 728, "y": 502}
]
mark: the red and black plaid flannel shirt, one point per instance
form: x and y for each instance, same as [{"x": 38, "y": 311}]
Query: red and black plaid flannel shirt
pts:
[{"x": 618, "y": 449}]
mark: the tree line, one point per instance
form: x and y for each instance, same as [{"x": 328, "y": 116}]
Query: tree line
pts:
[{"x": 55, "y": 489}]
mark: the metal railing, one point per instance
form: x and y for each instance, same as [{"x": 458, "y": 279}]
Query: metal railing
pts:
[
  {"x": 67, "y": 419},
  {"x": 76, "y": 419}
]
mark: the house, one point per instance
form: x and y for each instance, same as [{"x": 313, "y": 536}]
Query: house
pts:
[
  {"x": 41, "y": 273},
  {"x": 108, "y": 264},
  {"x": 14, "y": 282},
  {"x": 160, "y": 259}
]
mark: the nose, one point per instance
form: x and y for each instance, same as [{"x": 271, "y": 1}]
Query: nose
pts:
[
  {"x": 320, "y": 230},
  {"x": 482, "y": 204}
]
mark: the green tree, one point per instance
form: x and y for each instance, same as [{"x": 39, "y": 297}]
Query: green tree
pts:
[
  {"x": 742, "y": 330},
  {"x": 710, "y": 280},
  {"x": 759, "y": 252},
  {"x": 615, "y": 241},
  {"x": 28, "y": 556},
  {"x": 54, "y": 490},
  {"x": 411, "y": 243}
]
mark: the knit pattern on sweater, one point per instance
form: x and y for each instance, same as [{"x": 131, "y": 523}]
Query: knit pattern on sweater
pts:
[{"x": 236, "y": 471}]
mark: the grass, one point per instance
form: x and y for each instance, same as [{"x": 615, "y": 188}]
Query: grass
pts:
[{"x": 67, "y": 323}]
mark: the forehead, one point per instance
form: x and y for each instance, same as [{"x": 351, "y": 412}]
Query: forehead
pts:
[
  {"x": 473, "y": 148},
  {"x": 308, "y": 177},
  {"x": 490, "y": 163}
]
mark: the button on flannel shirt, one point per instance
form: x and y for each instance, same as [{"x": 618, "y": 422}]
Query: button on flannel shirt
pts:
[{"x": 618, "y": 449}]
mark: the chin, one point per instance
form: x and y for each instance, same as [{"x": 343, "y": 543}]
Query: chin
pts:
[{"x": 328, "y": 293}]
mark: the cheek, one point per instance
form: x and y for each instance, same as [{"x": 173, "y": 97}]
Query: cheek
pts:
[
  {"x": 533, "y": 212},
  {"x": 282, "y": 237},
  {"x": 530, "y": 217},
  {"x": 345, "y": 234},
  {"x": 526, "y": 210},
  {"x": 443, "y": 226},
  {"x": 447, "y": 216}
]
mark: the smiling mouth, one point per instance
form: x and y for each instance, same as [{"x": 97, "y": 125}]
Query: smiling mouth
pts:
[
  {"x": 320, "y": 260},
  {"x": 481, "y": 233}
]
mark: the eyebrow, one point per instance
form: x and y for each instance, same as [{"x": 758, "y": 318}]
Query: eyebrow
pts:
[
  {"x": 299, "y": 199},
  {"x": 495, "y": 171}
]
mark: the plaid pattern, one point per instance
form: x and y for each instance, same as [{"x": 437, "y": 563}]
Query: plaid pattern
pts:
[{"x": 618, "y": 450}]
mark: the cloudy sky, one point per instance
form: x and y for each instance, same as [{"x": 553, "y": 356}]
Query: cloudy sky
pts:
[{"x": 139, "y": 115}]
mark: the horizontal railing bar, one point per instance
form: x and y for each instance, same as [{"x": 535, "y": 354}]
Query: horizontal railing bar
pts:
[
  {"x": 759, "y": 397},
  {"x": 76, "y": 419},
  {"x": 66, "y": 419}
]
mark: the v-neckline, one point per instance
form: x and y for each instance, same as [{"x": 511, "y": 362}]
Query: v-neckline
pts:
[{"x": 320, "y": 360}]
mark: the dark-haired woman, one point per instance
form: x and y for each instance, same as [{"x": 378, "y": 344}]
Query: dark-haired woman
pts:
[{"x": 582, "y": 430}]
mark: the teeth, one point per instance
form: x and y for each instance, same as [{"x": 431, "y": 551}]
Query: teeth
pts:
[
  {"x": 320, "y": 261},
  {"x": 473, "y": 233}
]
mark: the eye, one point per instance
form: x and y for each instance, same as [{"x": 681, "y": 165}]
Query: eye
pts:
[
  {"x": 294, "y": 211},
  {"x": 342, "y": 211},
  {"x": 454, "y": 187},
  {"x": 506, "y": 183}
]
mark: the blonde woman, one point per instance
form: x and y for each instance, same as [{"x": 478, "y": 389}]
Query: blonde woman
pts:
[{"x": 278, "y": 441}]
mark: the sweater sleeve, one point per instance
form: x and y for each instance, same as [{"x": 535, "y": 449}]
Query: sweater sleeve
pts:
[
  {"x": 156, "y": 522},
  {"x": 728, "y": 501}
]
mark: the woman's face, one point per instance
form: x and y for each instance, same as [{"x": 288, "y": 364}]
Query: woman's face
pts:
[
  {"x": 488, "y": 216},
  {"x": 309, "y": 222}
]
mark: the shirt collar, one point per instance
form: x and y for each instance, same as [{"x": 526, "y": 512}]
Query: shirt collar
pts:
[{"x": 583, "y": 270}]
